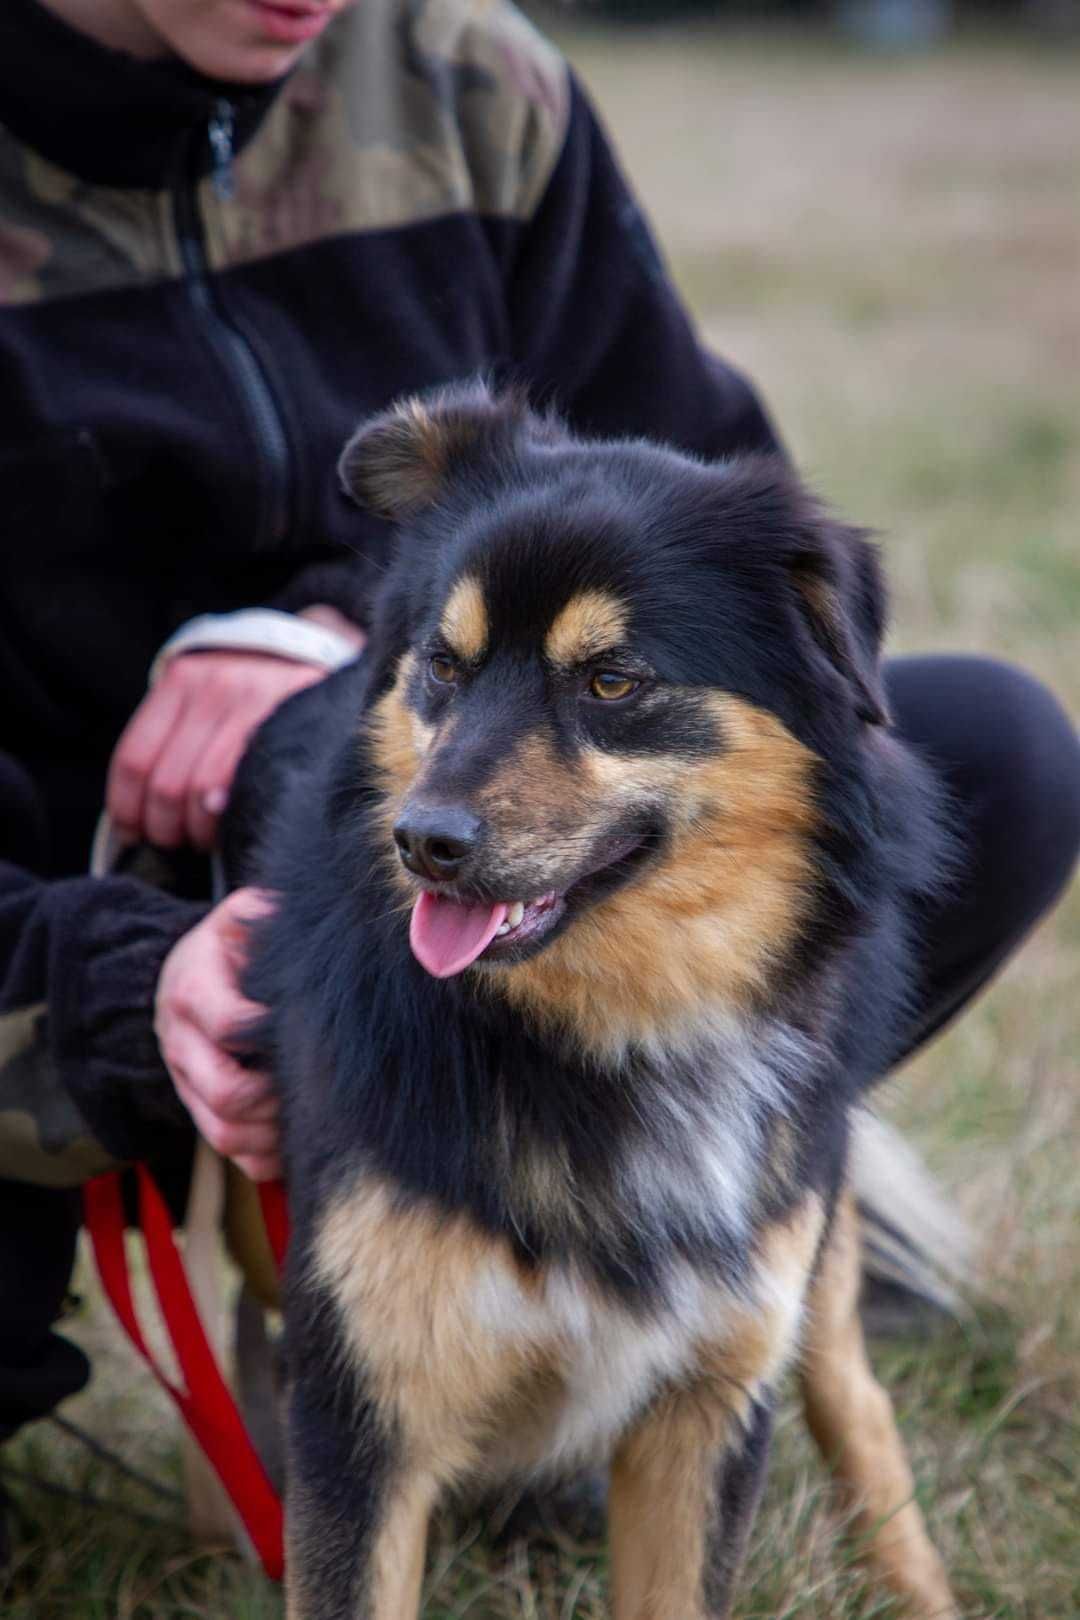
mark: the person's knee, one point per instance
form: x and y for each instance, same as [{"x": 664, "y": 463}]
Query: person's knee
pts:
[
  {"x": 1031, "y": 775},
  {"x": 1009, "y": 757}
]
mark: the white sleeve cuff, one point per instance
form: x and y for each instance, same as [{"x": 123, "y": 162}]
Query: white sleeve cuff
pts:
[{"x": 261, "y": 630}]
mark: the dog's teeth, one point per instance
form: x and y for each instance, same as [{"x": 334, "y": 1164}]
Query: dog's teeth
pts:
[
  {"x": 503, "y": 928},
  {"x": 515, "y": 914}
]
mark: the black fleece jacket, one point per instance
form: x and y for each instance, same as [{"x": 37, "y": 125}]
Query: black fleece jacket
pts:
[{"x": 202, "y": 289}]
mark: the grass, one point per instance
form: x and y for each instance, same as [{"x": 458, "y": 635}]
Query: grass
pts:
[{"x": 891, "y": 248}]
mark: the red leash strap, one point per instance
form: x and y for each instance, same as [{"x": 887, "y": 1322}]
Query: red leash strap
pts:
[
  {"x": 275, "y": 1214},
  {"x": 205, "y": 1401}
]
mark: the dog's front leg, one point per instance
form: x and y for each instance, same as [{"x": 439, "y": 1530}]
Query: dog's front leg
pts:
[
  {"x": 684, "y": 1488},
  {"x": 356, "y": 1517},
  {"x": 686, "y": 1480}
]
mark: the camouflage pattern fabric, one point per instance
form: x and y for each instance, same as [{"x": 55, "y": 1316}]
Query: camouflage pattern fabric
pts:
[
  {"x": 406, "y": 110},
  {"x": 43, "y": 1137}
]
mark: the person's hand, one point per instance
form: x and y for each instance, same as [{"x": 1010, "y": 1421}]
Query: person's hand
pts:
[
  {"x": 171, "y": 771},
  {"x": 197, "y": 1010}
]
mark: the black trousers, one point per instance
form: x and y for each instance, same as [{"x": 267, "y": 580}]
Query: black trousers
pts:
[{"x": 1011, "y": 758}]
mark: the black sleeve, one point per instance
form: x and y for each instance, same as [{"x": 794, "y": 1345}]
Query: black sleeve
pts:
[
  {"x": 598, "y": 327},
  {"x": 344, "y": 583},
  {"x": 79, "y": 963}
]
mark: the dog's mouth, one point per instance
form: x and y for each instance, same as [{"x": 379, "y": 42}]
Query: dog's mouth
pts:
[{"x": 450, "y": 931}]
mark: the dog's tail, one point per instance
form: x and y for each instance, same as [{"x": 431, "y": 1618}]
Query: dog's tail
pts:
[{"x": 915, "y": 1244}]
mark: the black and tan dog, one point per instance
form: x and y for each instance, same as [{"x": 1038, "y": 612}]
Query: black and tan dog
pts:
[{"x": 599, "y": 894}]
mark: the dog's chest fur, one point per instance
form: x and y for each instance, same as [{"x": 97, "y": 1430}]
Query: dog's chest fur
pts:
[
  {"x": 505, "y": 1367},
  {"x": 605, "y": 1361}
]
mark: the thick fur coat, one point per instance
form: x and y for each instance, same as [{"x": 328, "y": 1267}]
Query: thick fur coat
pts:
[{"x": 600, "y": 888}]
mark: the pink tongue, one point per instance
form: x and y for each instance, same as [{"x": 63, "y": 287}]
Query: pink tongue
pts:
[{"x": 446, "y": 935}]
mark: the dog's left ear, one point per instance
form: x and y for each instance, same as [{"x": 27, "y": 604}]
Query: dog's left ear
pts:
[
  {"x": 397, "y": 463},
  {"x": 841, "y": 593}
]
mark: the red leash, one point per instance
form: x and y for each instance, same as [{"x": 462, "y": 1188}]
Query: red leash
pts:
[{"x": 204, "y": 1400}]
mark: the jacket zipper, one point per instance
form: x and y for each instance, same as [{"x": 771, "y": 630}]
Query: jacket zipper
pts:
[{"x": 226, "y": 338}]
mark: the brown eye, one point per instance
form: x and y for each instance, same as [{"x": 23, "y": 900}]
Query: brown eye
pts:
[
  {"x": 443, "y": 670},
  {"x": 611, "y": 687}
]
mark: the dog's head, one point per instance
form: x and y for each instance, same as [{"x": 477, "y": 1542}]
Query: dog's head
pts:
[{"x": 608, "y": 676}]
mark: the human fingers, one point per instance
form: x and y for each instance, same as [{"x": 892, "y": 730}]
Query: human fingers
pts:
[
  {"x": 210, "y": 965},
  {"x": 238, "y": 691},
  {"x": 206, "y": 1083},
  {"x": 211, "y": 781},
  {"x": 201, "y": 1062},
  {"x": 136, "y": 754},
  {"x": 199, "y": 1010},
  {"x": 169, "y": 789},
  {"x": 235, "y": 1139}
]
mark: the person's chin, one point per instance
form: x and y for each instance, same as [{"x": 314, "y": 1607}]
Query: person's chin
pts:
[
  {"x": 264, "y": 42},
  {"x": 277, "y": 33},
  {"x": 243, "y": 64}
]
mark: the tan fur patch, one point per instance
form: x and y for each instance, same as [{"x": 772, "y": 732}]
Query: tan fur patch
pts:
[
  {"x": 464, "y": 622},
  {"x": 399, "y": 742},
  {"x": 542, "y": 810},
  {"x": 591, "y": 623},
  {"x": 761, "y": 1339},
  {"x": 658, "y": 1510},
  {"x": 663, "y": 1475},
  {"x": 393, "y": 736},
  {"x": 851, "y": 1418},
  {"x": 396, "y": 464},
  {"x": 708, "y": 922},
  {"x": 400, "y": 1546},
  {"x": 410, "y": 1283}
]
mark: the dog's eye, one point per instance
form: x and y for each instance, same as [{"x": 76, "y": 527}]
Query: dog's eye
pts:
[
  {"x": 612, "y": 687},
  {"x": 443, "y": 670}
]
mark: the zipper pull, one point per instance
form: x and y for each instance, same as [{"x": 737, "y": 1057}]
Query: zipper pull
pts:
[{"x": 221, "y": 129}]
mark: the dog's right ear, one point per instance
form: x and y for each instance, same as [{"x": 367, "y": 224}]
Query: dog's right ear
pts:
[{"x": 397, "y": 463}]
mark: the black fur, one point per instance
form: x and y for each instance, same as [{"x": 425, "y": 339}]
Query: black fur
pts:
[
  {"x": 735, "y": 581},
  {"x": 341, "y": 1461},
  {"x": 740, "y": 1480}
]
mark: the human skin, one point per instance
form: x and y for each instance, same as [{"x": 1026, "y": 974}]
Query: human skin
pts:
[
  {"x": 243, "y": 41},
  {"x": 198, "y": 1007},
  {"x": 171, "y": 771},
  {"x": 169, "y": 782}
]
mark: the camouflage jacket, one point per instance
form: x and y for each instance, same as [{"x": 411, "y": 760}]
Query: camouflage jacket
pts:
[{"x": 202, "y": 288}]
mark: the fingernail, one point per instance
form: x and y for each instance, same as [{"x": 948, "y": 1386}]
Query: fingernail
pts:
[{"x": 215, "y": 801}]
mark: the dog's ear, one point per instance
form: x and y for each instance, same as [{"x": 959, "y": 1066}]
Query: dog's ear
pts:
[
  {"x": 841, "y": 595},
  {"x": 397, "y": 463}
]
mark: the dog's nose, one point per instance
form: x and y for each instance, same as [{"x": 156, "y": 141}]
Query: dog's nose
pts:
[{"x": 435, "y": 841}]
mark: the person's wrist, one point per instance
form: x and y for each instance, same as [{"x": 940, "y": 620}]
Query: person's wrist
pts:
[
  {"x": 101, "y": 1025},
  {"x": 299, "y": 637}
]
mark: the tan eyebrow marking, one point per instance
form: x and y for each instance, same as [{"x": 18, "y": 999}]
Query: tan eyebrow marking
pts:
[
  {"x": 591, "y": 623},
  {"x": 464, "y": 622}
]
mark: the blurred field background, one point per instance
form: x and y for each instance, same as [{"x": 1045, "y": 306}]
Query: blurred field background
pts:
[{"x": 890, "y": 245}]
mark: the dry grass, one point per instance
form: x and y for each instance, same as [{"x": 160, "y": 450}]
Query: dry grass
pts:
[{"x": 892, "y": 249}]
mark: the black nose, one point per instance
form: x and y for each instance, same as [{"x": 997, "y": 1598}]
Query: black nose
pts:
[{"x": 435, "y": 841}]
